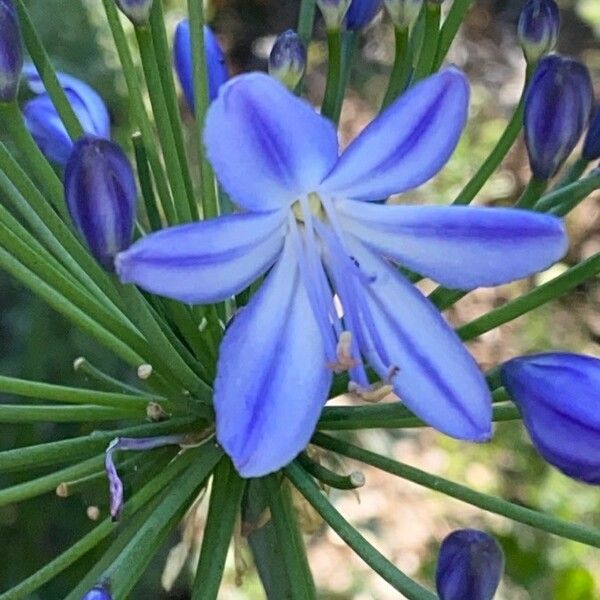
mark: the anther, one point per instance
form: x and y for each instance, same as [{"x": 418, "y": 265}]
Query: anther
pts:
[
  {"x": 345, "y": 360},
  {"x": 376, "y": 393}
]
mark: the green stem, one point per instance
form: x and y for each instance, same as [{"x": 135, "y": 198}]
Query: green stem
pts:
[
  {"x": 290, "y": 539},
  {"x": 210, "y": 207},
  {"x": 44, "y": 67},
  {"x": 32, "y": 155},
  {"x": 163, "y": 123},
  {"x": 349, "y": 45},
  {"x": 377, "y": 561},
  {"x": 140, "y": 116},
  {"x": 226, "y": 495},
  {"x": 151, "y": 206},
  {"x": 28, "y": 413},
  {"x": 340, "y": 482},
  {"x": 569, "y": 280},
  {"x": 334, "y": 73},
  {"x": 165, "y": 69},
  {"x": 425, "y": 63},
  {"x": 535, "y": 188},
  {"x": 534, "y": 518},
  {"x": 306, "y": 20},
  {"x": 450, "y": 28},
  {"x": 131, "y": 563},
  {"x": 51, "y": 453},
  {"x": 576, "y": 170},
  {"x": 504, "y": 144},
  {"x": 164, "y": 478},
  {"x": 401, "y": 68},
  {"x": 105, "y": 381},
  {"x": 564, "y": 199},
  {"x": 392, "y": 416},
  {"x": 70, "y": 395}
]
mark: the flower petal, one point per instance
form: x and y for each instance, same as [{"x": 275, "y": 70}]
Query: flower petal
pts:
[
  {"x": 267, "y": 146},
  {"x": 272, "y": 381},
  {"x": 204, "y": 262},
  {"x": 458, "y": 246},
  {"x": 436, "y": 377},
  {"x": 407, "y": 144}
]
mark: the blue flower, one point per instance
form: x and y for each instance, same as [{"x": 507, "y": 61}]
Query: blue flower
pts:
[
  {"x": 218, "y": 72},
  {"x": 470, "y": 566},
  {"x": 361, "y": 13},
  {"x": 558, "y": 395},
  {"x": 332, "y": 300},
  {"x": 45, "y": 124}
]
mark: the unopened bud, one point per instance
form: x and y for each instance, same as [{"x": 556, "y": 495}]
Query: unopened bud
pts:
[
  {"x": 538, "y": 28},
  {"x": 287, "y": 61},
  {"x": 101, "y": 196},
  {"x": 137, "y": 11},
  {"x": 361, "y": 13},
  {"x": 334, "y": 12},
  {"x": 470, "y": 566},
  {"x": 11, "y": 52},
  {"x": 98, "y": 592},
  {"x": 404, "y": 13},
  {"x": 591, "y": 147}
]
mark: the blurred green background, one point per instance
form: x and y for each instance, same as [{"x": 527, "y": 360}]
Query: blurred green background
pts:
[{"x": 407, "y": 523}]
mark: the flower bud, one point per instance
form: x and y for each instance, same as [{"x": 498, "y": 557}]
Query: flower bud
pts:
[
  {"x": 45, "y": 124},
  {"x": 137, "y": 11},
  {"x": 101, "y": 196},
  {"x": 557, "y": 110},
  {"x": 216, "y": 64},
  {"x": 11, "y": 52},
  {"x": 404, "y": 13},
  {"x": 98, "y": 592},
  {"x": 334, "y": 12},
  {"x": 361, "y": 13},
  {"x": 538, "y": 28},
  {"x": 591, "y": 147},
  {"x": 470, "y": 566},
  {"x": 558, "y": 395},
  {"x": 287, "y": 61}
]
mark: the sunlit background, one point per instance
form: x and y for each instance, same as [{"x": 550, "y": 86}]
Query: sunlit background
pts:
[{"x": 404, "y": 521}]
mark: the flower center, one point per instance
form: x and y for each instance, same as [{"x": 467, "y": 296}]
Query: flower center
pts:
[{"x": 315, "y": 205}]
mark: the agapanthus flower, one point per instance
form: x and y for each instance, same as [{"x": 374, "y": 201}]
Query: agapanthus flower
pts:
[
  {"x": 361, "y": 13},
  {"x": 334, "y": 300},
  {"x": 558, "y": 394},
  {"x": 44, "y": 123},
  {"x": 216, "y": 65}
]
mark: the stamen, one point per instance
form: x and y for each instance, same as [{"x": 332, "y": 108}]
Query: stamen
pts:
[
  {"x": 372, "y": 394},
  {"x": 345, "y": 360}
]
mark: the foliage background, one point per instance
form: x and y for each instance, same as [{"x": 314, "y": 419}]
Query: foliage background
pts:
[{"x": 405, "y": 521}]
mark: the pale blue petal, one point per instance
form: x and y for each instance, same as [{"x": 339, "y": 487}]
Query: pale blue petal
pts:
[
  {"x": 267, "y": 146},
  {"x": 458, "y": 246},
  {"x": 436, "y": 377},
  {"x": 97, "y": 120},
  {"x": 204, "y": 262},
  {"x": 407, "y": 144},
  {"x": 272, "y": 380}
]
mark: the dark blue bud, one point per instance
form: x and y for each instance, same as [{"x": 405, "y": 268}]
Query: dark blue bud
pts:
[
  {"x": 216, "y": 64},
  {"x": 43, "y": 120},
  {"x": 287, "y": 61},
  {"x": 137, "y": 11},
  {"x": 591, "y": 147},
  {"x": 557, "y": 110},
  {"x": 334, "y": 12},
  {"x": 98, "y": 592},
  {"x": 470, "y": 566},
  {"x": 11, "y": 52},
  {"x": 539, "y": 25},
  {"x": 101, "y": 195},
  {"x": 558, "y": 395},
  {"x": 361, "y": 13},
  {"x": 404, "y": 13}
]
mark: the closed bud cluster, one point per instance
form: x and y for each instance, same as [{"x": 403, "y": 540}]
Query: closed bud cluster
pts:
[
  {"x": 334, "y": 12},
  {"x": 591, "y": 147},
  {"x": 137, "y": 11},
  {"x": 101, "y": 195},
  {"x": 557, "y": 110},
  {"x": 361, "y": 13},
  {"x": 404, "y": 13},
  {"x": 470, "y": 566},
  {"x": 539, "y": 25},
  {"x": 558, "y": 395},
  {"x": 11, "y": 52},
  {"x": 287, "y": 61}
]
